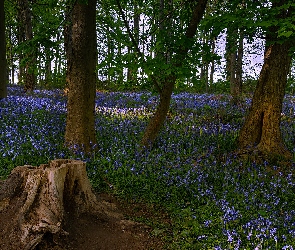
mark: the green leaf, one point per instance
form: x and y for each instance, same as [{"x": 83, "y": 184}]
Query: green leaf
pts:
[
  {"x": 286, "y": 33},
  {"x": 262, "y": 212}
]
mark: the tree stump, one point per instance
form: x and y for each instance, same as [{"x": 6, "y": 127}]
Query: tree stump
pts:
[{"x": 35, "y": 203}]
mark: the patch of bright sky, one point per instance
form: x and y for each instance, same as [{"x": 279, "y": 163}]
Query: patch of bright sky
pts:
[{"x": 252, "y": 58}]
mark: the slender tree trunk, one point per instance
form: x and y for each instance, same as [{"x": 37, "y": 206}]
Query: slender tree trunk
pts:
[
  {"x": 11, "y": 56},
  {"x": 232, "y": 74},
  {"x": 21, "y": 39},
  {"x": 231, "y": 55},
  {"x": 67, "y": 33},
  {"x": 228, "y": 56},
  {"x": 26, "y": 19},
  {"x": 136, "y": 32},
  {"x": 212, "y": 62},
  {"x": 3, "y": 63},
  {"x": 48, "y": 73},
  {"x": 205, "y": 65},
  {"x": 239, "y": 63},
  {"x": 132, "y": 71},
  {"x": 58, "y": 61},
  {"x": 157, "y": 121},
  {"x": 80, "y": 127},
  {"x": 262, "y": 126},
  {"x": 234, "y": 58}
]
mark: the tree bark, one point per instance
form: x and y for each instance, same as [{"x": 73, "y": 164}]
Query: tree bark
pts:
[
  {"x": 48, "y": 72},
  {"x": 212, "y": 70},
  {"x": 25, "y": 16},
  {"x": 157, "y": 121},
  {"x": 239, "y": 63},
  {"x": 205, "y": 64},
  {"x": 262, "y": 125},
  {"x": 231, "y": 61},
  {"x": 81, "y": 79},
  {"x": 3, "y": 63},
  {"x": 133, "y": 70},
  {"x": 36, "y": 202}
]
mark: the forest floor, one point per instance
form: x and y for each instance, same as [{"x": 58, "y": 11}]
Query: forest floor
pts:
[
  {"x": 215, "y": 199},
  {"x": 100, "y": 232},
  {"x": 94, "y": 233}
]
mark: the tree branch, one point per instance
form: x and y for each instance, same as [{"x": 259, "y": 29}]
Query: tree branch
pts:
[
  {"x": 196, "y": 18},
  {"x": 135, "y": 45}
]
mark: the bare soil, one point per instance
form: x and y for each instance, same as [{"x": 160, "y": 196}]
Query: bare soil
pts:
[{"x": 90, "y": 232}]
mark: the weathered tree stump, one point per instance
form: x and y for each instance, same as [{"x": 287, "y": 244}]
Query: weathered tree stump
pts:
[{"x": 35, "y": 202}]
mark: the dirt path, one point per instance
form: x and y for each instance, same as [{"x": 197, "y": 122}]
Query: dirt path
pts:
[
  {"x": 100, "y": 232},
  {"x": 94, "y": 233}
]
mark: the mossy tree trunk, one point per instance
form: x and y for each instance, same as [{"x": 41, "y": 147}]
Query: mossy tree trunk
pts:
[
  {"x": 81, "y": 77},
  {"x": 262, "y": 125}
]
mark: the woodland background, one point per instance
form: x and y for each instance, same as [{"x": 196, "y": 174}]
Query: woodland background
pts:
[{"x": 162, "y": 112}]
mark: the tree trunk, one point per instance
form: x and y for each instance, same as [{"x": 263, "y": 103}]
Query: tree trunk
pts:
[
  {"x": 3, "y": 64},
  {"x": 36, "y": 202},
  {"x": 81, "y": 79},
  {"x": 234, "y": 61},
  {"x": 231, "y": 59},
  {"x": 133, "y": 70},
  {"x": 48, "y": 72},
  {"x": 159, "y": 117},
  {"x": 11, "y": 56},
  {"x": 262, "y": 125},
  {"x": 239, "y": 63},
  {"x": 212, "y": 70},
  {"x": 21, "y": 39},
  {"x": 26, "y": 23},
  {"x": 157, "y": 121},
  {"x": 67, "y": 34},
  {"x": 205, "y": 65}
]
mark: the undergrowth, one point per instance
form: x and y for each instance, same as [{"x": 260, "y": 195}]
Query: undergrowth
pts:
[{"x": 214, "y": 199}]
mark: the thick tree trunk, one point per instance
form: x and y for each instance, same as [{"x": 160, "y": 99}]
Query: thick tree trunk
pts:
[
  {"x": 262, "y": 125},
  {"x": 3, "y": 65},
  {"x": 35, "y": 203},
  {"x": 81, "y": 78}
]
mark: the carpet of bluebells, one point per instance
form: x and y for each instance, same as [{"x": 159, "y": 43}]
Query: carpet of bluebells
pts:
[{"x": 216, "y": 201}]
